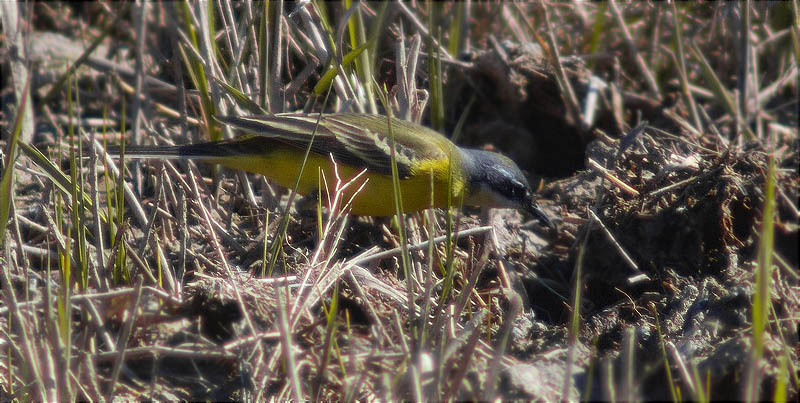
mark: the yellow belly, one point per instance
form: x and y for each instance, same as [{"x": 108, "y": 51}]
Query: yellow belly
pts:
[{"x": 282, "y": 164}]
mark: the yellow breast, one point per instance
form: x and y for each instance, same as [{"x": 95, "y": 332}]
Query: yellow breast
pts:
[{"x": 282, "y": 163}]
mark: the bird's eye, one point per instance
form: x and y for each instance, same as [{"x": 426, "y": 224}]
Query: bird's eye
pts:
[{"x": 518, "y": 190}]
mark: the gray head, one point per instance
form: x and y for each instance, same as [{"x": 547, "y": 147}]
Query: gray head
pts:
[{"x": 496, "y": 181}]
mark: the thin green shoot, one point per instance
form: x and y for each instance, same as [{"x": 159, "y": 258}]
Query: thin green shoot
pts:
[
  {"x": 611, "y": 391},
  {"x": 587, "y": 390},
  {"x": 108, "y": 183},
  {"x": 721, "y": 93},
  {"x": 459, "y": 129},
  {"x": 451, "y": 234},
  {"x": 761, "y": 296},
  {"x": 405, "y": 257},
  {"x": 330, "y": 332},
  {"x": 159, "y": 268},
  {"x": 276, "y": 248},
  {"x": 286, "y": 343},
  {"x": 796, "y": 33},
  {"x": 376, "y": 29},
  {"x": 266, "y": 242},
  {"x": 575, "y": 317},
  {"x": 336, "y": 347},
  {"x": 212, "y": 29},
  {"x": 673, "y": 389},
  {"x": 196, "y": 70},
  {"x": 429, "y": 272},
  {"x": 7, "y": 183},
  {"x": 363, "y": 63},
  {"x": 263, "y": 56},
  {"x": 63, "y": 250},
  {"x": 786, "y": 347},
  {"x": 327, "y": 27},
  {"x": 598, "y": 29},
  {"x": 781, "y": 380},
  {"x": 9, "y": 358},
  {"x": 681, "y": 65},
  {"x": 120, "y": 274},
  {"x": 319, "y": 203},
  {"x": 325, "y": 82},
  {"x": 242, "y": 99},
  {"x": 455, "y": 38},
  {"x": 70, "y": 73},
  {"x": 54, "y": 173},
  {"x": 435, "y": 68},
  {"x": 76, "y": 190},
  {"x": 700, "y": 395},
  {"x": 64, "y": 306}
]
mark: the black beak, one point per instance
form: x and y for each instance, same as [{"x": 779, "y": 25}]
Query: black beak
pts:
[{"x": 540, "y": 215}]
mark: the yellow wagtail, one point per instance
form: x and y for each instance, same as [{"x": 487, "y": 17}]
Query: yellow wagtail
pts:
[{"x": 274, "y": 146}]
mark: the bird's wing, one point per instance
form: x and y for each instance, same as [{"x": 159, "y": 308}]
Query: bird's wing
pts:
[{"x": 358, "y": 140}]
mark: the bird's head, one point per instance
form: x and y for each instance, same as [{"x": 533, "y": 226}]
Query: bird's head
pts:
[{"x": 496, "y": 181}]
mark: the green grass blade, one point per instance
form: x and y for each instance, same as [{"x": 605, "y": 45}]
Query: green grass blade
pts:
[
  {"x": 719, "y": 89},
  {"x": 7, "y": 183},
  {"x": 120, "y": 273},
  {"x": 51, "y": 170},
  {"x": 198, "y": 73},
  {"x": 277, "y": 244},
  {"x": 330, "y": 333},
  {"x": 435, "y": 68},
  {"x": 325, "y": 82},
  {"x": 79, "y": 207},
  {"x": 761, "y": 296},
  {"x": 242, "y": 99},
  {"x": 263, "y": 56},
  {"x": 56, "y": 88},
  {"x": 405, "y": 257},
  {"x": 598, "y": 28},
  {"x": 363, "y": 62},
  {"x": 670, "y": 380},
  {"x": 455, "y": 37}
]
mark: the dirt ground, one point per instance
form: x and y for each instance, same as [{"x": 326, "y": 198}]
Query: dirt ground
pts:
[{"x": 659, "y": 228}]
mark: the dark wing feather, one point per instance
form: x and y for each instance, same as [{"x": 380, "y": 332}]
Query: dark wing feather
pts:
[{"x": 358, "y": 140}]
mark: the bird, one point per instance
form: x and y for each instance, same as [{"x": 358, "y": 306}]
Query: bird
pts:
[{"x": 275, "y": 145}]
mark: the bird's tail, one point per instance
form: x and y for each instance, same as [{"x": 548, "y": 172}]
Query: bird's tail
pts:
[
  {"x": 191, "y": 151},
  {"x": 245, "y": 145},
  {"x": 248, "y": 144}
]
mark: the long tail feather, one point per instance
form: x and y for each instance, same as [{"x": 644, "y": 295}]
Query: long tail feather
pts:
[
  {"x": 246, "y": 145},
  {"x": 155, "y": 152}
]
